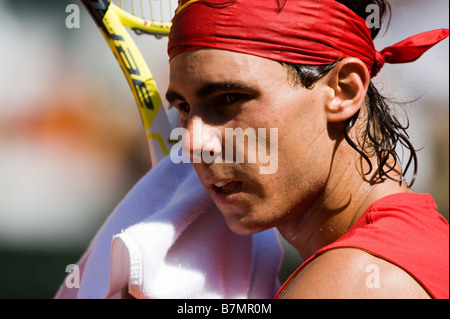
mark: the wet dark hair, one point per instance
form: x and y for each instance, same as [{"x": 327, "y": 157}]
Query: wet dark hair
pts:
[{"x": 383, "y": 131}]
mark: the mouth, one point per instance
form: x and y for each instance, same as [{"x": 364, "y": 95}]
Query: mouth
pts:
[
  {"x": 226, "y": 192},
  {"x": 227, "y": 187}
]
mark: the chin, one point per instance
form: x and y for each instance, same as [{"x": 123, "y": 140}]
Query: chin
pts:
[{"x": 244, "y": 227}]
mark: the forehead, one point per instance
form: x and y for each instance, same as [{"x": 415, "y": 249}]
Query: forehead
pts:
[{"x": 205, "y": 65}]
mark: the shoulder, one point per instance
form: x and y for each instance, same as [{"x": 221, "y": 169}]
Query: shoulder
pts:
[{"x": 352, "y": 273}]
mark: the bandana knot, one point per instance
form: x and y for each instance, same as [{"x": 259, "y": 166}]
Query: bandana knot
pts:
[{"x": 378, "y": 64}]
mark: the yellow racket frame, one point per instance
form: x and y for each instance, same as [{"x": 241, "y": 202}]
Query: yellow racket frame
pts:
[{"x": 112, "y": 21}]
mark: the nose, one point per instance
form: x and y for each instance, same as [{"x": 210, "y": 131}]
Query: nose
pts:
[{"x": 203, "y": 143}]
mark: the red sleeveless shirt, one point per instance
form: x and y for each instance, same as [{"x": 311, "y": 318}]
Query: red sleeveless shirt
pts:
[{"x": 406, "y": 230}]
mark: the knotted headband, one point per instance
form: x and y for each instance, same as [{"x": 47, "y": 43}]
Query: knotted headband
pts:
[{"x": 312, "y": 32}]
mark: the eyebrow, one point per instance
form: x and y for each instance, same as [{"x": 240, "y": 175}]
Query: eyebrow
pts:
[{"x": 213, "y": 87}]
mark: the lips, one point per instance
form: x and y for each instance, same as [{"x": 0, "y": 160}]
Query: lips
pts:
[{"x": 227, "y": 187}]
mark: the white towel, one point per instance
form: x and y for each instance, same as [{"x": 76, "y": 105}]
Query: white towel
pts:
[{"x": 166, "y": 239}]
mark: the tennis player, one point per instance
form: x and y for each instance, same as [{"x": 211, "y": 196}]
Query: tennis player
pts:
[{"x": 339, "y": 194}]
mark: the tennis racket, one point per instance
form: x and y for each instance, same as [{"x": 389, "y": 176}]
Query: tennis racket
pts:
[{"x": 143, "y": 17}]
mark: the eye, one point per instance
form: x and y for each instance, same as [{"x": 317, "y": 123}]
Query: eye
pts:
[
  {"x": 230, "y": 98},
  {"x": 183, "y": 107}
]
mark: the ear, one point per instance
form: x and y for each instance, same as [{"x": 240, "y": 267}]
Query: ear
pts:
[{"x": 348, "y": 81}]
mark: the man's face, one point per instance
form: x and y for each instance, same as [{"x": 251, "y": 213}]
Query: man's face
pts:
[{"x": 215, "y": 90}]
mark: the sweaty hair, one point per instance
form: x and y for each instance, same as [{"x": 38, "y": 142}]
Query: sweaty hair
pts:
[{"x": 383, "y": 131}]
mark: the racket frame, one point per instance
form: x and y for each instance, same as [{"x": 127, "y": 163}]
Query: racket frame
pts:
[{"x": 111, "y": 21}]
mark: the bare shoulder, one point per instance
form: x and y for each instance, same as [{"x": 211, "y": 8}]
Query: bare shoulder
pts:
[{"x": 353, "y": 273}]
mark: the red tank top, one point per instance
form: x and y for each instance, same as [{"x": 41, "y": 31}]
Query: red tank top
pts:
[{"x": 406, "y": 230}]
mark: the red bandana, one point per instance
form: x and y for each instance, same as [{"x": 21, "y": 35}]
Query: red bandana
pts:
[{"x": 314, "y": 32}]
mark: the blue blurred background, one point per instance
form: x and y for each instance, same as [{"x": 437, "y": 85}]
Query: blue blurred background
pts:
[{"x": 71, "y": 143}]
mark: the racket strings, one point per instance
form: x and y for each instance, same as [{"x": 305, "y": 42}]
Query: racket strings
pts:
[{"x": 151, "y": 10}]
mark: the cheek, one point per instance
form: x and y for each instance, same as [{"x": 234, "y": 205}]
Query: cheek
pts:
[
  {"x": 301, "y": 152},
  {"x": 289, "y": 191}
]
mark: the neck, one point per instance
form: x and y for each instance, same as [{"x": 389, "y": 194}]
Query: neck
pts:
[{"x": 340, "y": 204}]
